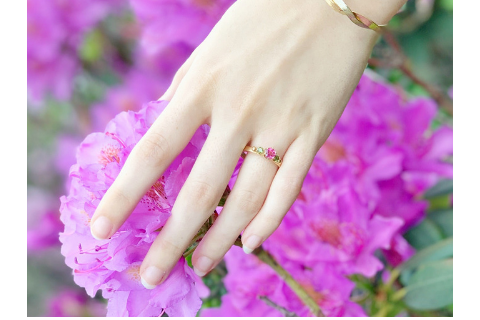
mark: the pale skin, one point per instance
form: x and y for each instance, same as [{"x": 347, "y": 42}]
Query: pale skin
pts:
[{"x": 272, "y": 73}]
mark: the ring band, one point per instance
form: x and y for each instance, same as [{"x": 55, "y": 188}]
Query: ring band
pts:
[{"x": 268, "y": 153}]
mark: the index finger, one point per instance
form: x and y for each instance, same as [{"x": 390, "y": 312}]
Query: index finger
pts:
[{"x": 165, "y": 139}]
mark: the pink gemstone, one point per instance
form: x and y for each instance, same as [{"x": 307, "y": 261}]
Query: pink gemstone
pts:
[{"x": 270, "y": 154}]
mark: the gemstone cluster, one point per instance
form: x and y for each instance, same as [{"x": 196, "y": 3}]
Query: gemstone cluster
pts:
[{"x": 268, "y": 153}]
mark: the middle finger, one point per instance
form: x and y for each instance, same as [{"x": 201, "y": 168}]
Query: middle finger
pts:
[{"x": 196, "y": 201}]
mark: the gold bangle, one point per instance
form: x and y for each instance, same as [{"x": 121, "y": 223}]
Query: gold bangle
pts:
[{"x": 358, "y": 19}]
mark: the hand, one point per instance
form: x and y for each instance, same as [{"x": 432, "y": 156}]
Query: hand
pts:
[{"x": 272, "y": 74}]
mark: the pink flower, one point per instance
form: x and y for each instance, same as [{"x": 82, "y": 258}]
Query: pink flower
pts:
[
  {"x": 334, "y": 226},
  {"x": 394, "y": 153},
  {"x": 361, "y": 193},
  {"x": 167, "y": 22},
  {"x": 113, "y": 265},
  {"x": 43, "y": 225},
  {"x": 139, "y": 86},
  {"x": 249, "y": 278}
]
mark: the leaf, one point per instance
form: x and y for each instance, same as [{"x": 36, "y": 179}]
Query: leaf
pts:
[
  {"x": 446, "y": 4},
  {"x": 91, "y": 49},
  {"x": 424, "y": 234},
  {"x": 443, "y": 187},
  {"x": 438, "y": 251},
  {"x": 440, "y": 203},
  {"x": 444, "y": 219},
  {"x": 431, "y": 287},
  {"x": 189, "y": 260}
]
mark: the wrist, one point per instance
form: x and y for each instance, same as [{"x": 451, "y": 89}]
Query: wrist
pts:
[{"x": 379, "y": 11}]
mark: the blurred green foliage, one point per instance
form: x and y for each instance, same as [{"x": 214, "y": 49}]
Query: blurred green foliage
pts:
[{"x": 423, "y": 285}]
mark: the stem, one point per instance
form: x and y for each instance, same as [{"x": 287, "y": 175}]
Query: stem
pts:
[
  {"x": 399, "y": 295},
  {"x": 294, "y": 285},
  {"x": 190, "y": 250},
  {"x": 394, "y": 274},
  {"x": 281, "y": 309},
  {"x": 383, "y": 311},
  {"x": 265, "y": 257}
]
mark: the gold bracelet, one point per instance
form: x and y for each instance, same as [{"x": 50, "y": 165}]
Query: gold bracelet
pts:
[{"x": 358, "y": 19}]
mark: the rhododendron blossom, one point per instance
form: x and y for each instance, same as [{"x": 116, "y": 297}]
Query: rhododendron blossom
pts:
[
  {"x": 361, "y": 193},
  {"x": 248, "y": 279},
  {"x": 167, "y": 23},
  {"x": 113, "y": 265}
]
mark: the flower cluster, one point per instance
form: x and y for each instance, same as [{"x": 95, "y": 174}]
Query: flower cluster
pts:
[
  {"x": 362, "y": 191},
  {"x": 55, "y": 31},
  {"x": 176, "y": 24},
  {"x": 360, "y": 194},
  {"x": 113, "y": 265}
]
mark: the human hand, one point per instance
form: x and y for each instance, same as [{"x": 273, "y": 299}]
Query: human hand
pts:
[{"x": 272, "y": 74}]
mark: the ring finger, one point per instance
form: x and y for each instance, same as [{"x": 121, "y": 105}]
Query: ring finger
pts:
[{"x": 244, "y": 202}]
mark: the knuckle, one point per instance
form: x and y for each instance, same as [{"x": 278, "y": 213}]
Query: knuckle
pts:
[
  {"x": 271, "y": 221},
  {"x": 289, "y": 186},
  {"x": 200, "y": 90},
  {"x": 116, "y": 195},
  {"x": 171, "y": 247},
  {"x": 181, "y": 72},
  {"x": 152, "y": 150},
  {"x": 248, "y": 201},
  {"x": 168, "y": 249},
  {"x": 202, "y": 194},
  {"x": 210, "y": 81}
]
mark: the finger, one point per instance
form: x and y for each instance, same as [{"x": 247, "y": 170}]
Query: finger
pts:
[
  {"x": 165, "y": 139},
  {"x": 196, "y": 201},
  {"x": 243, "y": 203},
  {"x": 282, "y": 194},
  {"x": 179, "y": 75}
]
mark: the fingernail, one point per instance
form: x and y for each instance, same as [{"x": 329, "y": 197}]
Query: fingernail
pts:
[
  {"x": 251, "y": 243},
  {"x": 203, "y": 265},
  {"x": 152, "y": 275},
  {"x": 101, "y": 228}
]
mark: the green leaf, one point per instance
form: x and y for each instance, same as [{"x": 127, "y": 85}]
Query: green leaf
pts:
[
  {"x": 442, "y": 188},
  {"x": 92, "y": 47},
  {"x": 431, "y": 287},
  {"x": 189, "y": 260},
  {"x": 446, "y": 4},
  {"x": 444, "y": 219},
  {"x": 424, "y": 234},
  {"x": 440, "y": 202},
  {"x": 438, "y": 251}
]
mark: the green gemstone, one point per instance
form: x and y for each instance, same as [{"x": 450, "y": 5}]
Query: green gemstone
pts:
[
  {"x": 260, "y": 150},
  {"x": 276, "y": 158}
]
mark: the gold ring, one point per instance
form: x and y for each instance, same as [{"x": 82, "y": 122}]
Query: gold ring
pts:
[{"x": 268, "y": 153}]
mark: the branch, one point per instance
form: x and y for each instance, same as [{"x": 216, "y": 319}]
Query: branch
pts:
[
  {"x": 400, "y": 61},
  {"x": 281, "y": 309}
]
